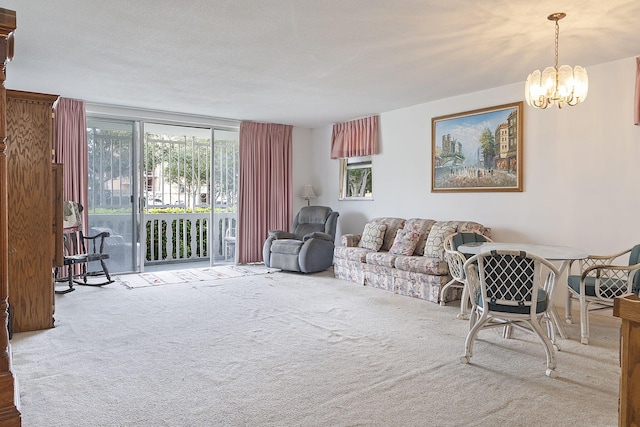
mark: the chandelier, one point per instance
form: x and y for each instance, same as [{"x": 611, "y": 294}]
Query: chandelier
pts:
[{"x": 557, "y": 85}]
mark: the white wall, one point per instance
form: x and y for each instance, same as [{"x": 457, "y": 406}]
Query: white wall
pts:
[
  {"x": 302, "y": 165},
  {"x": 580, "y": 169}
]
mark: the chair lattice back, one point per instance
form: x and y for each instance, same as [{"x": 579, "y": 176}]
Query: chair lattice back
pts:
[
  {"x": 592, "y": 262},
  {"x": 509, "y": 277},
  {"x": 610, "y": 281},
  {"x": 454, "y": 259},
  {"x": 511, "y": 287}
]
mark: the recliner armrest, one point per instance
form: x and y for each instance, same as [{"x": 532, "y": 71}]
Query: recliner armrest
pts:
[
  {"x": 280, "y": 234},
  {"x": 317, "y": 235}
]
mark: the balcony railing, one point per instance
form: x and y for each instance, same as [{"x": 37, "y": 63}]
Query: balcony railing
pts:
[
  {"x": 172, "y": 237},
  {"x": 183, "y": 236}
]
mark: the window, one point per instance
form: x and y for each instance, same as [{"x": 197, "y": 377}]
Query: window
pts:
[{"x": 356, "y": 181}]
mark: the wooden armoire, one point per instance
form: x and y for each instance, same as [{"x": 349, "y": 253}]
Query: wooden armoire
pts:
[
  {"x": 627, "y": 308},
  {"x": 9, "y": 396},
  {"x": 31, "y": 204}
]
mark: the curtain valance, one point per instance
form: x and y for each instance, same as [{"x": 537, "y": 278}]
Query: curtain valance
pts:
[{"x": 355, "y": 138}]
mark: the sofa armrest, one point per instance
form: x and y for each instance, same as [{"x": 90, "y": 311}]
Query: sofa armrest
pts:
[
  {"x": 280, "y": 234},
  {"x": 487, "y": 232},
  {"x": 317, "y": 235},
  {"x": 350, "y": 240}
]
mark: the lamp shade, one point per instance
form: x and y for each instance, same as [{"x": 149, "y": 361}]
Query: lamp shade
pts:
[{"x": 307, "y": 192}]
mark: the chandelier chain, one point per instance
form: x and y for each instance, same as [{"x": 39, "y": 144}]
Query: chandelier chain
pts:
[{"x": 557, "y": 39}]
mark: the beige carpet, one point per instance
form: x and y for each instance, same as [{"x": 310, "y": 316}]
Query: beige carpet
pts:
[
  {"x": 286, "y": 349},
  {"x": 170, "y": 277}
]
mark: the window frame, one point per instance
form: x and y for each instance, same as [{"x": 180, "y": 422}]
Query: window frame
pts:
[{"x": 351, "y": 163}]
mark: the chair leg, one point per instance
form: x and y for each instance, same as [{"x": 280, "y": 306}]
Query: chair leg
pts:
[
  {"x": 86, "y": 273},
  {"x": 471, "y": 337},
  {"x": 551, "y": 331},
  {"x": 507, "y": 331},
  {"x": 69, "y": 280},
  {"x": 473, "y": 316},
  {"x": 584, "y": 321},
  {"x": 567, "y": 310},
  {"x": 106, "y": 271},
  {"x": 464, "y": 301},
  {"x": 553, "y": 315},
  {"x": 444, "y": 289},
  {"x": 548, "y": 348}
]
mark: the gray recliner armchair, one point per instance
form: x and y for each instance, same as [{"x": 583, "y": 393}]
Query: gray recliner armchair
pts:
[{"x": 309, "y": 247}]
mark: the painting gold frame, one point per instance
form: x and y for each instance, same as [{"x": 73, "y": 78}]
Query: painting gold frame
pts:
[{"x": 479, "y": 150}]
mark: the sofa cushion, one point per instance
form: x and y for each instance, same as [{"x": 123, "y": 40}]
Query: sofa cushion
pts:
[
  {"x": 286, "y": 246},
  {"x": 350, "y": 253},
  {"x": 372, "y": 236},
  {"x": 468, "y": 227},
  {"x": 405, "y": 242},
  {"x": 351, "y": 240},
  {"x": 434, "y": 248},
  {"x": 393, "y": 225},
  {"x": 422, "y": 264},
  {"x": 421, "y": 226},
  {"x": 384, "y": 259},
  {"x": 541, "y": 305}
]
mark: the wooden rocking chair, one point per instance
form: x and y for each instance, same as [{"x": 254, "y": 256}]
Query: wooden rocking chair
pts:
[{"x": 80, "y": 250}]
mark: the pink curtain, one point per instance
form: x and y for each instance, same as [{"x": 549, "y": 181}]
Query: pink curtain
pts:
[
  {"x": 265, "y": 186},
  {"x": 71, "y": 150},
  {"x": 355, "y": 138},
  {"x": 636, "y": 119}
]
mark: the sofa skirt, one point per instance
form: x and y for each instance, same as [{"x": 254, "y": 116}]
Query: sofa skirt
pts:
[{"x": 417, "y": 285}]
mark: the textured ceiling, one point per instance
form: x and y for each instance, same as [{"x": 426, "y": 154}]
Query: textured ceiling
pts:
[{"x": 302, "y": 62}]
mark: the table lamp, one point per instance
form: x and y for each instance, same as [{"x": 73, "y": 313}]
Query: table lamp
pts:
[{"x": 308, "y": 193}]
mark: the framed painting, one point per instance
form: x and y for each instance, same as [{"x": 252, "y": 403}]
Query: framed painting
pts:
[{"x": 479, "y": 150}]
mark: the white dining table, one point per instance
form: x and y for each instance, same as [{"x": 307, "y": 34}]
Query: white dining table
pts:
[{"x": 564, "y": 254}]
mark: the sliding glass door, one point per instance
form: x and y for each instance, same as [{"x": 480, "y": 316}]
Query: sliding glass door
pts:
[
  {"x": 225, "y": 194},
  {"x": 165, "y": 193},
  {"x": 112, "y": 189},
  {"x": 189, "y": 194}
]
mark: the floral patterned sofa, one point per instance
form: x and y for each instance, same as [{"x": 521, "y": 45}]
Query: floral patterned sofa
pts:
[{"x": 401, "y": 256}]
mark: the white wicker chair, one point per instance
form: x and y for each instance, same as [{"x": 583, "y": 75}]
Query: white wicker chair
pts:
[
  {"x": 456, "y": 261},
  {"x": 598, "y": 283},
  {"x": 511, "y": 288}
]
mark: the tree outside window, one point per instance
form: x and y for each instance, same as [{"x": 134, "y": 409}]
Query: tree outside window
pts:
[{"x": 356, "y": 180}]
